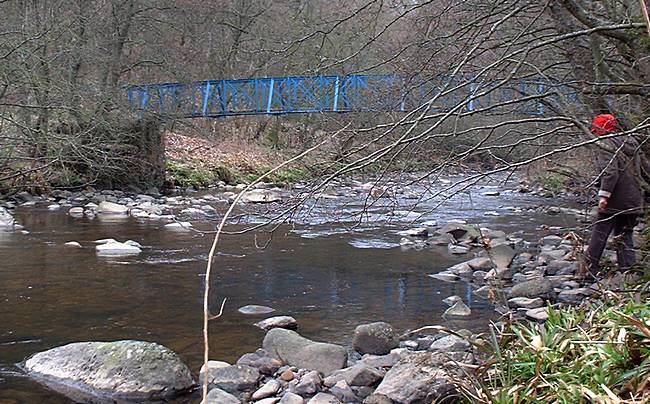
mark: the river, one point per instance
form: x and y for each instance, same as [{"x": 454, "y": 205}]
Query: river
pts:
[{"x": 326, "y": 272}]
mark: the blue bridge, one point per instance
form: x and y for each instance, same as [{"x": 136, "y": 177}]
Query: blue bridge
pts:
[{"x": 349, "y": 93}]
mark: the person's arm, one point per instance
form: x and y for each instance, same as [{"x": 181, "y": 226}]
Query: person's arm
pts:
[{"x": 609, "y": 172}]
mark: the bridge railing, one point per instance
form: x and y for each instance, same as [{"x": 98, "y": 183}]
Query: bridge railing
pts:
[{"x": 332, "y": 93}]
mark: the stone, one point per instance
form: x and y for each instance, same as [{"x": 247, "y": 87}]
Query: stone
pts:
[
  {"x": 260, "y": 360},
  {"x": 212, "y": 365},
  {"x": 358, "y": 375},
  {"x": 309, "y": 383},
  {"x": 287, "y": 375},
  {"x": 291, "y": 348},
  {"x": 343, "y": 392},
  {"x": 383, "y": 361},
  {"x": 269, "y": 400},
  {"x": 74, "y": 244},
  {"x": 218, "y": 396},
  {"x": 291, "y": 398},
  {"x": 450, "y": 343},
  {"x": 525, "y": 302},
  {"x": 76, "y": 211},
  {"x": 574, "y": 295},
  {"x": 459, "y": 308},
  {"x": 254, "y": 309},
  {"x": 552, "y": 240},
  {"x": 501, "y": 255},
  {"x": 537, "y": 287},
  {"x": 268, "y": 389},
  {"x": 125, "y": 370},
  {"x": 287, "y": 322},
  {"x": 234, "y": 378},
  {"x": 480, "y": 264},
  {"x": 460, "y": 231},
  {"x": 324, "y": 398},
  {"x": 377, "y": 399},
  {"x": 540, "y": 314},
  {"x": 375, "y": 338},
  {"x": 112, "y": 208},
  {"x": 261, "y": 196},
  {"x": 417, "y": 378},
  {"x": 179, "y": 226},
  {"x": 457, "y": 249},
  {"x": 117, "y": 248},
  {"x": 445, "y": 277},
  {"x": 415, "y": 232}
]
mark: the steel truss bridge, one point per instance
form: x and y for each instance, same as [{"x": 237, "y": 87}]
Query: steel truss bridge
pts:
[{"x": 348, "y": 93}]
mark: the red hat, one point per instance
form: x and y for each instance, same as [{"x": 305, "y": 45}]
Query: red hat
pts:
[{"x": 603, "y": 124}]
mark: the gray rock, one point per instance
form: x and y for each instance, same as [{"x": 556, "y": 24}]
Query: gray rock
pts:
[
  {"x": 525, "y": 302},
  {"x": 117, "y": 248},
  {"x": 501, "y": 255},
  {"x": 343, "y": 392},
  {"x": 357, "y": 375},
  {"x": 287, "y": 322},
  {"x": 212, "y": 366},
  {"x": 74, "y": 244},
  {"x": 554, "y": 266},
  {"x": 445, "y": 277},
  {"x": 480, "y": 264},
  {"x": 378, "y": 399},
  {"x": 459, "y": 308},
  {"x": 6, "y": 220},
  {"x": 128, "y": 370},
  {"x": 269, "y": 400},
  {"x": 382, "y": 361},
  {"x": 415, "y": 232},
  {"x": 293, "y": 349},
  {"x": 309, "y": 383},
  {"x": 112, "y": 208},
  {"x": 375, "y": 338},
  {"x": 540, "y": 314},
  {"x": 553, "y": 241},
  {"x": 417, "y": 378},
  {"x": 76, "y": 211},
  {"x": 235, "y": 378},
  {"x": 267, "y": 390},
  {"x": 218, "y": 396},
  {"x": 324, "y": 398},
  {"x": 457, "y": 248},
  {"x": 538, "y": 287},
  {"x": 261, "y": 196},
  {"x": 253, "y": 309},
  {"x": 261, "y": 360},
  {"x": 460, "y": 232},
  {"x": 574, "y": 295},
  {"x": 291, "y": 398},
  {"x": 450, "y": 343}
]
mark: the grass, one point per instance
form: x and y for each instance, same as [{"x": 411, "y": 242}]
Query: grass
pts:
[
  {"x": 599, "y": 353},
  {"x": 185, "y": 176}
]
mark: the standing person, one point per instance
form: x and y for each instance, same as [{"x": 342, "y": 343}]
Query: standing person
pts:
[{"x": 620, "y": 198}]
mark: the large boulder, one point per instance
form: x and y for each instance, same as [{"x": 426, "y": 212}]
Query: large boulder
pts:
[
  {"x": 417, "y": 378},
  {"x": 126, "y": 370},
  {"x": 375, "y": 338},
  {"x": 295, "y": 350}
]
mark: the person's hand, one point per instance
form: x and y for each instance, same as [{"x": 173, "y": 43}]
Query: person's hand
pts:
[{"x": 602, "y": 203}]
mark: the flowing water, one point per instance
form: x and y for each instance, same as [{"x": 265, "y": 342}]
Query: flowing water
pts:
[{"x": 328, "y": 273}]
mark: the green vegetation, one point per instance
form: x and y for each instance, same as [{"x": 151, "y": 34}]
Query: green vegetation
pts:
[
  {"x": 185, "y": 176},
  {"x": 552, "y": 180},
  {"x": 594, "y": 354}
]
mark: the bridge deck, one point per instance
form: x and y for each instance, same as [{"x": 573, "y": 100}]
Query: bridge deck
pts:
[{"x": 350, "y": 93}]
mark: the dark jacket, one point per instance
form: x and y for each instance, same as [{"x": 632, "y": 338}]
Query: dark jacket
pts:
[{"x": 620, "y": 169}]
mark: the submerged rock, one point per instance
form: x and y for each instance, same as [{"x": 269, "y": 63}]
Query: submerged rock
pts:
[
  {"x": 254, "y": 309},
  {"x": 293, "y": 349},
  {"x": 375, "y": 338},
  {"x": 117, "y": 248},
  {"x": 261, "y": 196},
  {"x": 127, "y": 370}
]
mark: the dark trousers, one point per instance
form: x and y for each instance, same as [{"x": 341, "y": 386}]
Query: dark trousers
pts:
[{"x": 623, "y": 226}]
